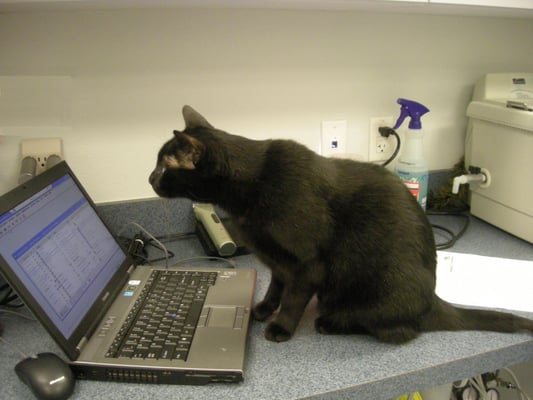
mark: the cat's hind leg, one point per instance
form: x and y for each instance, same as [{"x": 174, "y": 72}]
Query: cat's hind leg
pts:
[
  {"x": 328, "y": 324},
  {"x": 396, "y": 334},
  {"x": 346, "y": 322},
  {"x": 391, "y": 334}
]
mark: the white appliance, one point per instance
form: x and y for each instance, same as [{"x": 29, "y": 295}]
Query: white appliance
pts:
[{"x": 499, "y": 140}]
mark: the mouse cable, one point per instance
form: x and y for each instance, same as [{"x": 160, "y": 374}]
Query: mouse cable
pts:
[
  {"x": 17, "y": 313},
  {"x": 14, "y": 347}
]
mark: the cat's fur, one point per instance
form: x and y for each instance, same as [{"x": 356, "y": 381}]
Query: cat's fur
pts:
[{"x": 347, "y": 231}]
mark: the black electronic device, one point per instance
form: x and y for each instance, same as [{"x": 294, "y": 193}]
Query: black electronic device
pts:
[
  {"x": 47, "y": 376},
  {"x": 217, "y": 235}
]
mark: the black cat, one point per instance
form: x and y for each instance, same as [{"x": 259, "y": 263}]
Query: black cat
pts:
[{"x": 347, "y": 231}]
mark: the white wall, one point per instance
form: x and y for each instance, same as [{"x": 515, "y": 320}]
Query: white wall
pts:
[{"x": 111, "y": 83}]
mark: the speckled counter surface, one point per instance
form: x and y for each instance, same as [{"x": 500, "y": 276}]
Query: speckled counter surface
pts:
[{"x": 309, "y": 365}]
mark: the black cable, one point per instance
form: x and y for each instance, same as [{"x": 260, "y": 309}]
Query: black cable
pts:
[
  {"x": 154, "y": 244},
  {"x": 176, "y": 236},
  {"x": 136, "y": 246},
  {"x": 385, "y": 131},
  {"x": 8, "y": 297},
  {"x": 454, "y": 237},
  {"x": 166, "y": 239}
]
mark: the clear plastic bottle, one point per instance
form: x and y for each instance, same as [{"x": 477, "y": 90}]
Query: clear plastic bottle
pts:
[{"x": 412, "y": 167}]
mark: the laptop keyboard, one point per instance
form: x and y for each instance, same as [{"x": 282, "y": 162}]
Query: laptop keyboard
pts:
[{"x": 162, "y": 321}]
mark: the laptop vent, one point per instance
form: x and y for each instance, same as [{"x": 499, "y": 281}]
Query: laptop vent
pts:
[{"x": 132, "y": 376}]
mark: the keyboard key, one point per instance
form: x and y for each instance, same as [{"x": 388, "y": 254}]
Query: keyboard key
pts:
[
  {"x": 180, "y": 354},
  {"x": 167, "y": 352}
]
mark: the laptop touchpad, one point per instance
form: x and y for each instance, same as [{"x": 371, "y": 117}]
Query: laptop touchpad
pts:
[{"x": 221, "y": 317}]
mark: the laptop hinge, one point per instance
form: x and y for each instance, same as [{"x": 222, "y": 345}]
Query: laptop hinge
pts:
[
  {"x": 130, "y": 269},
  {"x": 81, "y": 344}
]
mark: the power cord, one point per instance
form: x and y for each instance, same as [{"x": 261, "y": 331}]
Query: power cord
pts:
[
  {"x": 453, "y": 237},
  {"x": 386, "y": 131},
  {"x": 137, "y": 246}
]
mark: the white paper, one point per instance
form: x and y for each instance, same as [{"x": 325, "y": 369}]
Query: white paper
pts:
[{"x": 482, "y": 281}]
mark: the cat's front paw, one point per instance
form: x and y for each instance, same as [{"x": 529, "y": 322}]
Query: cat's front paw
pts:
[
  {"x": 262, "y": 311},
  {"x": 276, "y": 333},
  {"x": 324, "y": 326}
]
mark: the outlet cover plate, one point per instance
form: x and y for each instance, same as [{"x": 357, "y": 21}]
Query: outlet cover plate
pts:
[
  {"x": 379, "y": 147},
  {"x": 40, "y": 149},
  {"x": 333, "y": 138}
]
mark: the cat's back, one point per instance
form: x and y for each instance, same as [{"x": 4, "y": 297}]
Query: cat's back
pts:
[
  {"x": 292, "y": 168},
  {"x": 369, "y": 194}
]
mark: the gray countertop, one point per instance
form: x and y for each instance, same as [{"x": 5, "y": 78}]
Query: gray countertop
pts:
[{"x": 311, "y": 365}]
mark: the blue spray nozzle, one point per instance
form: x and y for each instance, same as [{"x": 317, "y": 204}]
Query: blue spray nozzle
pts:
[{"x": 413, "y": 110}]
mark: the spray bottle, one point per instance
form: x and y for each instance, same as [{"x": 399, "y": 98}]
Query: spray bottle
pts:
[{"x": 412, "y": 167}]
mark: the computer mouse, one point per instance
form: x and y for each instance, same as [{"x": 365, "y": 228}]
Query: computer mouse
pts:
[{"x": 47, "y": 376}]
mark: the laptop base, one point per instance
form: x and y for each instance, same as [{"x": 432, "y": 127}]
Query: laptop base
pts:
[{"x": 154, "y": 376}]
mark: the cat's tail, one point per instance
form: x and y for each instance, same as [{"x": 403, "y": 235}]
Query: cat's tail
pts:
[{"x": 445, "y": 316}]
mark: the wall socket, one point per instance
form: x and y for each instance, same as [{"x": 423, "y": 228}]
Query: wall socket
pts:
[
  {"x": 333, "y": 135},
  {"x": 380, "y": 148},
  {"x": 41, "y": 150}
]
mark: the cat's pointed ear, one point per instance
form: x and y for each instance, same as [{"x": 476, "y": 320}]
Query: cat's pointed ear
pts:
[
  {"x": 194, "y": 119},
  {"x": 189, "y": 151}
]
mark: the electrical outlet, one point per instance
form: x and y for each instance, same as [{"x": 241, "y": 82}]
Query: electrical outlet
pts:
[
  {"x": 41, "y": 150},
  {"x": 380, "y": 148},
  {"x": 333, "y": 138}
]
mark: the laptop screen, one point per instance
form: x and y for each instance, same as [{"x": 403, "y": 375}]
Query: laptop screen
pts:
[{"x": 60, "y": 250}]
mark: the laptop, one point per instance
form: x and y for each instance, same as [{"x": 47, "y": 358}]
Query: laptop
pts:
[{"x": 114, "y": 320}]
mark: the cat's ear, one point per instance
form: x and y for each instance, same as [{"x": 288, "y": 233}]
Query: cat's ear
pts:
[
  {"x": 193, "y": 119},
  {"x": 188, "y": 152}
]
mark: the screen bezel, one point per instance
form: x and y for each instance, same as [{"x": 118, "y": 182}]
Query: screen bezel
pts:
[{"x": 87, "y": 325}]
